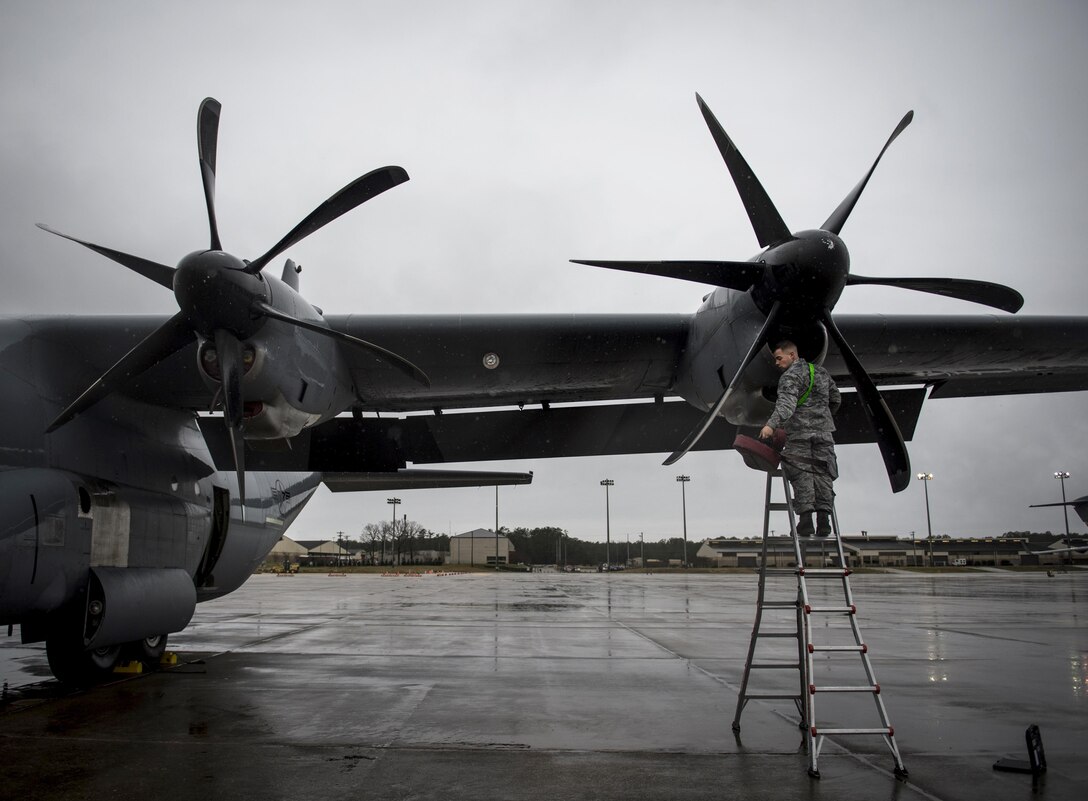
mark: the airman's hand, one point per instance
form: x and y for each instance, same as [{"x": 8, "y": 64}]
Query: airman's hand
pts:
[{"x": 766, "y": 432}]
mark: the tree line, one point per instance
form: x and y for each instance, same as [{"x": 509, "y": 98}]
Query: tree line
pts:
[{"x": 407, "y": 542}]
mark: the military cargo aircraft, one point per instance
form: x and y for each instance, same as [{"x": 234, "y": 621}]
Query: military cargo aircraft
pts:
[
  {"x": 124, "y": 501},
  {"x": 1080, "y": 506}
]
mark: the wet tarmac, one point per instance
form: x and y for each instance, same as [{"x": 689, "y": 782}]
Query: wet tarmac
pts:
[{"x": 558, "y": 686}]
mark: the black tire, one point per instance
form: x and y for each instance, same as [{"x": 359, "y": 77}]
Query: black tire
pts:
[
  {"x": 72, "y": 664},
  {"x": 148, "y": 650}
]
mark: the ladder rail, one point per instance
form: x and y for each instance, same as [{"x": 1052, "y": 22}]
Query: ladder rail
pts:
[{"x": 762, "y": 603}]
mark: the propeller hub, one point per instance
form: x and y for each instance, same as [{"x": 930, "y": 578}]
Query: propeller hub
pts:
[
  {"x": 214, "y": 292},
  {"x": 805, "y": 274}
]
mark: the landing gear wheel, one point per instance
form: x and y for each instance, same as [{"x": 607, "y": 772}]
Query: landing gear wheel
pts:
[
  {"x": 148, "y": 650},
  {"x": 72, "y": 664}
]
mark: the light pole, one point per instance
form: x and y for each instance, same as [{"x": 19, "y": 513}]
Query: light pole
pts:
[
  {"x": 913, "y": 550},
  {"x": 393, "y": 531},
  {"x": 339, "y": 547},
  {"x": 642, "y": 548},
  {"x": 684, "y": 500},
  {"x": 1062, "y": 475},
  {"x": 927, "y": 477},
  {"x": 606, "y": 483},
  {"x": 496, "y": 526}
]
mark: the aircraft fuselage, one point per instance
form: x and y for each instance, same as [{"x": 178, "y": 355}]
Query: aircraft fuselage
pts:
[{"x": 121, "y": 503}]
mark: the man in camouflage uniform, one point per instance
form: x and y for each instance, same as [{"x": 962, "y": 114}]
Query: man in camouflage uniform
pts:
[{"x": 807, "y": 399}]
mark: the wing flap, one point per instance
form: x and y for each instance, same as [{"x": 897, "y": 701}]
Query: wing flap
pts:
[
  {"x": 422, "y": 479},
  {"x": 347, "y": 445}
]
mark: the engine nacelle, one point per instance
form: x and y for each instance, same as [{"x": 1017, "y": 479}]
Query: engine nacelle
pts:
[
  {"x": 292, "y": 378},
  {"x": 723, "y": 330}
]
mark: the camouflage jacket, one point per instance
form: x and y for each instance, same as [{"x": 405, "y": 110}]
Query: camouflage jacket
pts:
[{"x": 815, "y": 414}]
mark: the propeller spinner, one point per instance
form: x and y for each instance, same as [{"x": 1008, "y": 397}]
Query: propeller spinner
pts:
[
  {"x": 223, "y": 300},
  {"x": 798, "y": 279}
]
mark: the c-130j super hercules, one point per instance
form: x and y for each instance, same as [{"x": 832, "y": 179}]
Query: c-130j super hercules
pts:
[{"x": 121, "y": 507}]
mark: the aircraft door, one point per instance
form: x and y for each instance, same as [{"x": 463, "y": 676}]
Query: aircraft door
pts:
[{"x": 214, "y": 549}]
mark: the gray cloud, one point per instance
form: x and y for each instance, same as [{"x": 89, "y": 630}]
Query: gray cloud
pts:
[{"x": 539, "y": 132}]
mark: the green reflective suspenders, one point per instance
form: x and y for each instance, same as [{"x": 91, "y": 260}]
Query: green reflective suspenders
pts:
[{"x": 811, "y": 383}]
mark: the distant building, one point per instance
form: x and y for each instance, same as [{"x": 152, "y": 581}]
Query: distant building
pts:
[
  {"x": 479, "y": 547},
  {"x": 1031, "y": 549},
  {"x": 286, "y": 550},
  {"x": 747, "y": 552},
  {"x": 868, "y": 550},
  {"x": 326, "y": 552}
]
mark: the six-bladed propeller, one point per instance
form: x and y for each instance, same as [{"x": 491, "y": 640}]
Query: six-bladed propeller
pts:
[
  {"x": 223, "y": 299},
  {"x": 797, "y": 279}
]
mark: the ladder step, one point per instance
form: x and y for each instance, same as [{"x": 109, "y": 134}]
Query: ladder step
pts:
[
  {"x": 772, "y": 697},
  {"x": 864, "y": 688},
  {"x": 832, "y": 610},
  {"x": 774, "y": 666},
  {"x": 793, "y": 635},
  {"x": 824, "y": 572},
  {"x": 829, "y": 732},
  {"x": 863, "y": 648},
  {"x": 777, "y": 506},
  {"x": 780, "y": 604}
]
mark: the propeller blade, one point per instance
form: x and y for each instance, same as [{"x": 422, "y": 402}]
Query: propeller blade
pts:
[
  {"x": 399, "y": 362},
  {"x": 888, "y": 436},
  {"x": 739, "y": 275},
  {"x": 760, "y": 340},
  {"x": 207, "y": 141},
  {"x": 159, "y": 273},
  {"x": 167, "y": 339},
  {"x": 358, "y": 191},
  {"x": 998, "y": 296},
  {"x": 229, "y": 349},
  {"x": 766, "y": 221},
  {"x": 838, "y": 217}
]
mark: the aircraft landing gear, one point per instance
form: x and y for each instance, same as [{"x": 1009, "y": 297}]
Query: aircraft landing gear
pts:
[
  {"x": 149, "y": 650},
  {"x": 71, "y": 664}
]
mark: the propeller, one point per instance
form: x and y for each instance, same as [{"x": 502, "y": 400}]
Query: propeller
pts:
[
  {"x": 224, "y": 300},
  {"x": 888, "y": 436},
  {"x": 796, "y": 281}
]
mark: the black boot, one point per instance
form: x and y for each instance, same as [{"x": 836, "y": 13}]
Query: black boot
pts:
[
  {"x": 804, "y": 524},
  {"x": 823, "y": 524}
]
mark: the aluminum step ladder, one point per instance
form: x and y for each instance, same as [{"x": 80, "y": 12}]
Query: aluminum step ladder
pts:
[{"x": 800, "y": 614}]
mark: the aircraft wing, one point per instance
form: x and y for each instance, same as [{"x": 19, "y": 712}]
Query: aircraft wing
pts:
[
  {"x": 1076, "y": 549},
  {"x": 506, "y": 360},
  {"x": 81, "y": 348},
  {"x": 553, "y": 360},
  {"x": 585, "y": 358},
  {"x": 968, "y": 355}
]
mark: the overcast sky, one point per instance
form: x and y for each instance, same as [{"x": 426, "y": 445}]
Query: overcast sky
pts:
[{"x": 536, "y": 132}]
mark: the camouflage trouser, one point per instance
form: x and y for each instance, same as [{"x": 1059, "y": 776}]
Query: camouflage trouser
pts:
[{"x": 812, "y": 483}]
